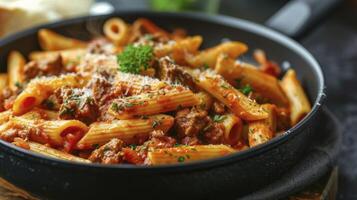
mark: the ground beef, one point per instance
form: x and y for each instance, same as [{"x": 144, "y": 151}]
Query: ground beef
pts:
[
  {"x": 218, "y": 108},
  {"x": 43, "y": 68},
  {"x": 190, "y": 122},
  {"x": 190, "y": 141},
  {"x": 214, "y": 134},
  {"x": 168, "y": 70},
  {"x": 158, "y": 139},
  {"x": 77, "y": 104},
  {"x": 109, "y": 153}
]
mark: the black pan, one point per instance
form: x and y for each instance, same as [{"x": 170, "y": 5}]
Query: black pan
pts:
[{"x": 223, "y": 178}]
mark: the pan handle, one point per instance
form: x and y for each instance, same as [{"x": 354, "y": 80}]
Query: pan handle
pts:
[{"x": 297, "y": 16}]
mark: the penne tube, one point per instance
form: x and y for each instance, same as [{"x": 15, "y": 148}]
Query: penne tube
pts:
[
  {"x": 54, "y": 153},
  {"x": 238, "y": 74},
  {"x": 183, "y": 154},
  {"x": 262, "y": 131},
  {"x": 299, "y": 103},
  {"x": 127, "y": 130},
  {"x": 51, "y": 41},
  {"x": 4, "y": 81},
  {"x": 15, "y": 68},
  {"x": 177, "y": 50},
  {"x": 237, "y": 102},
  {"x": 233, "y": 127},
  {"x": 39, "y": 89},
  {"x": 68, "y": 56},
  {"x": 153, "y": 103},
  {"x": 209, "y": 56},
  {"x": 116, "y": 30},
  {"x": 52, "y": 132}
]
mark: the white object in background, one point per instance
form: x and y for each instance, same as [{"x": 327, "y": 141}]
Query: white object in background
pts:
[
  {"x": 16, "y": 15},
  {"x": 101, "y": 8}
]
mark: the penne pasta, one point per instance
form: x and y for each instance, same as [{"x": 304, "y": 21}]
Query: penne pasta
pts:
[
  {"x": 39, "y": 89},
  {"x": 183, "y": 154},
  {"x": 178, "y": 50},
  {"x": 53, "y": 132},
  {"x": 153, "y": 103},
  {"x": 127, "y": 130},
  {"x": 68, "y": 56},
  {"x": 233, "y": 127},
  {"x": 209, "y": 57},
  {"x": 205, "y": 99},
  {"x": 299, "y": 103},
  {"x": 238, "y": 74},
  {"x": 15, "y": 68},
  {"x": 54, "y": 153},
  {"x": 116, "y": 30},
  {"x": 51, "y": 41},
  {"x": 262, "y": 131},
  {"x": 237, "y": 102}
]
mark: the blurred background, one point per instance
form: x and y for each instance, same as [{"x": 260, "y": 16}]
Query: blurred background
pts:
[{"x": 332, "y": 41}]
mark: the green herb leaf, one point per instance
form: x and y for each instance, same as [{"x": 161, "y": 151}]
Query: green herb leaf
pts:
[
  {"x": 246, "y": 89},
  {"x": 219, "y": 118},
  {"x": 134, "y": 59},
  {"x": 181, "y": 159},
  {"x": 155, "y": 123}
]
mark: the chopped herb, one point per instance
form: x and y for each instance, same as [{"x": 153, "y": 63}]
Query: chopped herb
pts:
[
  {"x": 181, "y": 159},
  {"x": 246, "y": 89},
  {"x": 219, "y": 118},
  {"x": 238, "y": 81},
  {"x": 18, "y": 84},
  {"x": 205, "y": 66},
  {"x": 177, "y": 145},
  {"x": 135, "y": 58},
  {"x": 193, "y": 149},
  {"x": 115, "y": 107},
  {"x": 155, "y": 123},
  {"x": 128, "y": 105},
  {"x": 207, "y": 128},
  {"x": 133, "y": 146},
  {"x": 95, "y": 146},
  {"x": 224, "y": 86},
  {"x": 188, "y": 156}
]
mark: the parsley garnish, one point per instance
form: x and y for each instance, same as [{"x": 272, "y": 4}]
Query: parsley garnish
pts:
[
  {"x": 18, "y": 84},
  {"x": 224, "y": 86},
  {"x": 205, "y": 66},
  {"x": 238, "y": 81},
  {"x": 115, "y": 107},
  {"x": 95, "y": 146},
  {"x": 181, "y": 159},
  {"x": 135, "y": 58},
  {"x": 155, "y": 123},
  {"x": 133, "y": 146},
  {"x": 246, "y": 89},
  {"x": 219, "y": 118}
]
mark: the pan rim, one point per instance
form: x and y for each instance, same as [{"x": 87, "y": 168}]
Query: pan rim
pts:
[{"x": 252, "y": 27}]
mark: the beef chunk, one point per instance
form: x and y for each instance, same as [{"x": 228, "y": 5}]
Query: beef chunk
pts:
[
  {"x": 158, "y": 139},
  {"x": 190, "y": 122},
  {"x": 48, "y": 67},
  {"x": 174, "y": 73},
  {"x": 214, "y": 134},
  {"x": 77, "y": 104},
  {"x": 109, "y": 153}
]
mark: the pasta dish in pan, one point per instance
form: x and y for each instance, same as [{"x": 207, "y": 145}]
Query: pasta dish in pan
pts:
[{"x": 145, "y": 96}]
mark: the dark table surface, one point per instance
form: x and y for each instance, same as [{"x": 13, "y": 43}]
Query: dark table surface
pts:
[{"x": 333, "y": 42}]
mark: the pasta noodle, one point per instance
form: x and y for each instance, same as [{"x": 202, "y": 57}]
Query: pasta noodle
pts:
[
  {"x": 15, "y": 68},
  {"x": 299, "y": 103},
  {"x": 187, "y": 154},
  {"x": 51, "y": 41}
]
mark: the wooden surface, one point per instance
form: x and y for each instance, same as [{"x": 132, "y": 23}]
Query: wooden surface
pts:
[{"x": 324, "y": 189}]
